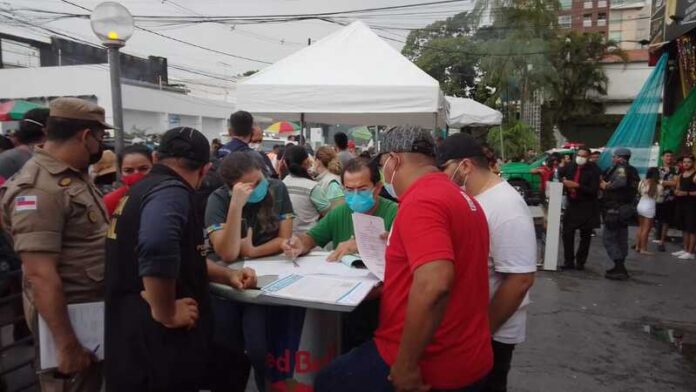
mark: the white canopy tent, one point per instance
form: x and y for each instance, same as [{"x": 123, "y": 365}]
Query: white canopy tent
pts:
[
  {"x": 350, "y": 77},
  {"x": 465, "y": 112}
]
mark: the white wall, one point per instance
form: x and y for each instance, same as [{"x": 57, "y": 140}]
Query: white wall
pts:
[
  {"x": 150, "y": 122},
  {"x": 19, "y": 83},
  {"x": 143, "y": 108},
  {"x": 213, "y": 126},
  {"x": 625, "y": 82}
]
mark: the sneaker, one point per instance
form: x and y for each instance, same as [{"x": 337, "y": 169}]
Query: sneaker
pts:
[
  {"x": 567, "y": 266},
  {"x": 687, "y": 256},
  {"x": 679, "y": 253},
  {"x": 656, "y": 241}
]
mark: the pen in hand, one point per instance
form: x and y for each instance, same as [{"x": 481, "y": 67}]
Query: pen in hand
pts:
[{"x": 293, "y": 256}]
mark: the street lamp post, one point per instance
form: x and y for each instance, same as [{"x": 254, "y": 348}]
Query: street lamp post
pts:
[{"x": 113, "y": 24}]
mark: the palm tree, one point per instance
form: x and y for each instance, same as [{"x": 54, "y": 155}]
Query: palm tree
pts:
[{"x": 578, "y": 78}]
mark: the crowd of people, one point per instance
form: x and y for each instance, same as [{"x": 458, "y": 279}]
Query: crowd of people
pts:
[
  {"x": 149, "y": 244},
  {"x": 618, "y": 198},
  {"x": 460, "y": 248}
]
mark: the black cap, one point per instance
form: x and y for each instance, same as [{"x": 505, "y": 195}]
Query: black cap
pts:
[
  {"x": 185, "y": 142},
  {"x": 622, "y": 152},
  {"x": 459, "y": 146}
]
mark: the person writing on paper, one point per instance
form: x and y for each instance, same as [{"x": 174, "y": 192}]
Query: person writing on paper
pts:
[
  {"x": 57, "y": 221},
  {"x": 512, "y": 259},
  {"x": 362, "y": 185},
  {"x": 433, "y": 329},
  {"x": 249, "y": 217},
  {"x": 158, "y": 324}
]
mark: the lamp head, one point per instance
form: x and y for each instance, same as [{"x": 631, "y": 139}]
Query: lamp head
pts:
[{"x": 112, "y": 23}]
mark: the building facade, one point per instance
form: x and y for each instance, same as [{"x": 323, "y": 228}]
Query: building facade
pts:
[
  {"x": 587, "y": 16},
  {"x": 54, "y": 67},
  {"x": 629, "y": 23}
]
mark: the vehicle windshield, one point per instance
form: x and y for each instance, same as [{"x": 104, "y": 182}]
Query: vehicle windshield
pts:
[{"x": 540, "y": 159}]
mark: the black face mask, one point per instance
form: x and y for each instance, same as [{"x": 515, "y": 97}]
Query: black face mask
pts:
[{"x": 95, "y": 157}]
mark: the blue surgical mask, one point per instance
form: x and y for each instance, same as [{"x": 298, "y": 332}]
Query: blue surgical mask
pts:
[
  {"x": 360, "y": 201},
  {"x": 388, "y": 186},
  {"x": 259, "y": 193}
]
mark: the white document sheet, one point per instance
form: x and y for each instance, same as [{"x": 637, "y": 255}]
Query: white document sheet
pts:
[
  {"x": 320, "y": 288},
  {"x": 312, "y": 264},
  {"x": 368, "y": 229},
  {"x": 88, "y": 323}
]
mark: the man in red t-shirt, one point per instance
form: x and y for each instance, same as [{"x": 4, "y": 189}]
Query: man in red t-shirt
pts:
[{"x": 433, "y": 330}]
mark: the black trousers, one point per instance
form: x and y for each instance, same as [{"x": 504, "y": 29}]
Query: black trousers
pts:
[
  {"x": 569, "y": 245},
  {"x": 502, "y": 357}
]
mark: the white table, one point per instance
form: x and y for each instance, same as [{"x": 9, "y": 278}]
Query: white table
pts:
[{"x": 302, "y": 336}]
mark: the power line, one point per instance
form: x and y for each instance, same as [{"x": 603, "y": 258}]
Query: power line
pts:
[
  {"x": 85, "y": 42},
  {"x": 180, "y": 40},
  {"x": 274, "y": 16}
]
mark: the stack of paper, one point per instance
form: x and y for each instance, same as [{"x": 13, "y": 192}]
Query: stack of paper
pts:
[
  {"x": 313, "y": 282},
  {"x": 372, "y": 248},
  {"x": 322, "y": 289},
  {"x": 87, "y": 321}
]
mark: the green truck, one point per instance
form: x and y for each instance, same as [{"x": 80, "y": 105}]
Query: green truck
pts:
[{"x": 519, "y": 175}]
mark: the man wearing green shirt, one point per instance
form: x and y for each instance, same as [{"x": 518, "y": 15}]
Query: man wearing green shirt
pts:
[{"x": 362, "y": 184}]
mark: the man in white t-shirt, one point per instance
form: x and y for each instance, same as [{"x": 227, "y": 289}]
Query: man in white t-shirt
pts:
[{"x": 513, "y": 252}]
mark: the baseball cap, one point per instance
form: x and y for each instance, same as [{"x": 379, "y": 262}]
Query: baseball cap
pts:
[
  {"x": 622, "y": 152},
  {"x": 458, "y": 146},
  {"x": 184, "y": 142},
  {"x": 78, "y": 109},
  {"x": 408, "y": 139}
]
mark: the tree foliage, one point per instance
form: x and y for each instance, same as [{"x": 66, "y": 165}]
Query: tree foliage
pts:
[
  {"x": 517, "y": 138},
  {"x": 522, "y": 51},
  {"x": 445, "y": 51},
  {"x": 578, "y": 78}
]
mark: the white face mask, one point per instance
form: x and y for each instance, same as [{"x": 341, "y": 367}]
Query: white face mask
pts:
[
  {"x": 580, "y": 160},
  {"x": 255, "y": 146}
]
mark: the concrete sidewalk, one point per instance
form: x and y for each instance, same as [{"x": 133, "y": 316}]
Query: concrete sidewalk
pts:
[{"x": 587, "y": 333}]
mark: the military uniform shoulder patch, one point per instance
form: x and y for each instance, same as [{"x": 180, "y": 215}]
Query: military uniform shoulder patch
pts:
[{"x": 26, "y": 203}]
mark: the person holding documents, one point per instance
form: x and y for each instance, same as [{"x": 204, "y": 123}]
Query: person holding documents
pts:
[
  {"x": 249, "y": 217},
  {"x": 158, "y": 329},
  {"x": 57, "y": 222},
  {"x": 362, "y": 185},
  {"x": 433, "y": 329},
  {"x": 513, "y": 249}
]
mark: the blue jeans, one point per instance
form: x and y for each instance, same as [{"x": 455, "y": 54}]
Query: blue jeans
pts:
[{"x": 363, "y": 369}]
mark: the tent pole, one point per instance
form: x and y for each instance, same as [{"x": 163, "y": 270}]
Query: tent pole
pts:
[
  {"x": 502, "y": 145},
  {"x": 302, "y": 131}
]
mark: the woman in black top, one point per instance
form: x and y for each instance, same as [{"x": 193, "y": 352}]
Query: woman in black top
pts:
[
  {"x": 248, "y": 217},
  {"x": 685, "y": 214}
]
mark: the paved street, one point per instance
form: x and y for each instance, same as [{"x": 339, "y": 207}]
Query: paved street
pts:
[{"x": 586, "y": 333}]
